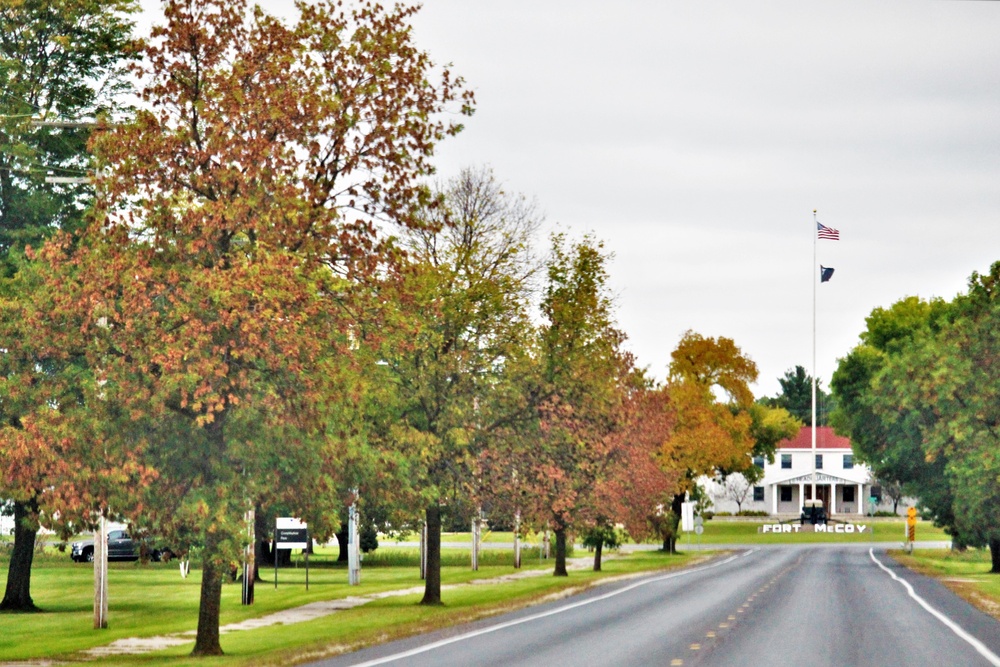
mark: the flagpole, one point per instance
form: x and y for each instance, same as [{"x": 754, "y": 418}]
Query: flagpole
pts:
[{"x": 815, "y": 234}]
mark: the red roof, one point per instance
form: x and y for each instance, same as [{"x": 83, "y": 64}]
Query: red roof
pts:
[{"x": 825, "y": 439}]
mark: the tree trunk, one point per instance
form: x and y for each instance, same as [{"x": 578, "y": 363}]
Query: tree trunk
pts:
[
  {"x": 342, "y": 537},
  {"x": 560, "y": 570},
  {"x": 995, "y": 555},
  {"x": 597, "y": 555},
  {"x": 676, "y": 507},
  {"x": 432, "y": 580},
  {"x": 17, "y": 597},
  {"x": 207, "y": 640}
]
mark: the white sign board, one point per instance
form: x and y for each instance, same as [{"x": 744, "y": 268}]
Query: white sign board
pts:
[
  {"x": 290, "y": 534},
  {"x": 687, "y": 516}
]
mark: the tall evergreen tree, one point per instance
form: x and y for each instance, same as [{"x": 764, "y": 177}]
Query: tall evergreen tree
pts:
[{"x": 796, "y": 397}]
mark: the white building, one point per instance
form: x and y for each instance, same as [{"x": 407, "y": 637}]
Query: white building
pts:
[{"x": 843, "y": 485}]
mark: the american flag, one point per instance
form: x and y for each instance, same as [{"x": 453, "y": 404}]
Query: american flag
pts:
[{"x": 825, "y": 232}]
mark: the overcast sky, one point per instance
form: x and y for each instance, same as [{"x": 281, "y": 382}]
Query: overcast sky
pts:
[{"x": 696, "y": 139}]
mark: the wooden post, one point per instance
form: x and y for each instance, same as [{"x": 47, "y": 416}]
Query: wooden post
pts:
[
  {"x": 101, "y": 575},
  {"x": 423, "y": 551},
  {"x": 517, "y": 540}
]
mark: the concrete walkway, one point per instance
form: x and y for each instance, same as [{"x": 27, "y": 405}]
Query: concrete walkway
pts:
[{"x": 308, "y": 612}]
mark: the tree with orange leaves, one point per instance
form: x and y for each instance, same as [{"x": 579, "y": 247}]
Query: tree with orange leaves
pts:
[
  {"x": 237, "y": 222},
  {"x": 710, "y": 398}
]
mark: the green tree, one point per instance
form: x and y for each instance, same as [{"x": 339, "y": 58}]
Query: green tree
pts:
[
  {"x": 796, "y": 397},
  {"x": 883, "y": 433},
  {"x": 462, "y": 296},
  {"x": 61, "y": 66},
  {"x": 950, "y": 383},
  {"x": 579, "y": 391},
  {"x": 768, "y": 427}
]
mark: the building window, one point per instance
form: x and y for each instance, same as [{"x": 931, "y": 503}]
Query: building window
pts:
[
  {"x": 848, "y": 461},
  {"x": 759, "y": 462},
  {"x": 848, "y": 494},
  {"x": 786, "y": 461},
  {"x": 786, "y": 494},
  {"x": 819, "y": 462},
  {"x": 758, "y": 494}
]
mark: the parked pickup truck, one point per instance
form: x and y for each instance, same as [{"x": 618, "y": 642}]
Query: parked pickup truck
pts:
[{"x": 121, "y": 546}]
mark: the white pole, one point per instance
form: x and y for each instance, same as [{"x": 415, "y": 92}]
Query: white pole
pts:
[
  {"x": 475, "y": 544},
  {"x": 353, "y": 544},
  {"x": 815, "y": 278},
  {"x": 101, "y": 575}
]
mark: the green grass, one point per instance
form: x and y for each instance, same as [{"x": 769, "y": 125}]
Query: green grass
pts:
[
  {"x": 152, "y": 599},
  {"x": 965, "y": 572},
  {"x": 748, "y": 532}
]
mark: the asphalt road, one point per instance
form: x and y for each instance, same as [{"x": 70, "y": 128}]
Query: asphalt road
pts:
[{"x": 777, "y": 605}]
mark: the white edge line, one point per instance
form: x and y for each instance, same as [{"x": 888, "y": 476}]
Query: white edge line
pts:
[
  {"x": 951, "y": 625},
  {"x": 534, "y": 617}
]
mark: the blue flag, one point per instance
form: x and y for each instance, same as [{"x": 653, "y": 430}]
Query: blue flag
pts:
[{"x": 825, "y": 273}]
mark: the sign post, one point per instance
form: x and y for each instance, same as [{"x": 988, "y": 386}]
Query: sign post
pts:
[
  {"x": 290, "y": 533},
  {"x": 353, "y": 546},
  {"x": 911, "y": 527},
  {"x": 249, "y": 562}
]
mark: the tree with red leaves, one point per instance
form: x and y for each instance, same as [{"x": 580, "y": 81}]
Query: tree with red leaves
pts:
[{"x": 237, "y": 224}]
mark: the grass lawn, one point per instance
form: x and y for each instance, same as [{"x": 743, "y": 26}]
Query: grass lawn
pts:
[
  {"x": 152, "y": 599},
  {"x": 967, "y": 573},
  {"x": 735, "y": 532},
  {"x": 748, "y": 532}
]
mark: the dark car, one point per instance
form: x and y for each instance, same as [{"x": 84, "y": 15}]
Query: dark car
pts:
[{"x": 121, "y": 546}]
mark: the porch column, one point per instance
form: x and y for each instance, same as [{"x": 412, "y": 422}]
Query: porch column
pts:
[
  {"x": 802, "y": 495},
  {"x": 862, "y": 501},
  {"x": 774, "y": 498},
  {"x": 833, "y": 498}
]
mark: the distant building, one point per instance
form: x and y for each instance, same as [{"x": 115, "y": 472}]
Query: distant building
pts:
[{"x": 843, "y": 485}]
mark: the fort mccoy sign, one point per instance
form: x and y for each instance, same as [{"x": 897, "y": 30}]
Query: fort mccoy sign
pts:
[{"x": 839, "y": 528}]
